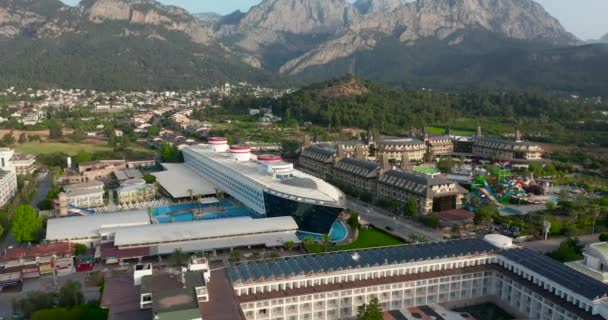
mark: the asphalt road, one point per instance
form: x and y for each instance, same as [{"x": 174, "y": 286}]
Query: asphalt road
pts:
[{"x": 381, "y": 219}]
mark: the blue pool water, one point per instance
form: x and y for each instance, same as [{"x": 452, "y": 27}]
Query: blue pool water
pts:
[
  {"x": 337, "y": 233},
  {"x": 162, "y": 214}
]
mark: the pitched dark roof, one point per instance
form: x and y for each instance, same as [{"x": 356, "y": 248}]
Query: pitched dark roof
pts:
[
  {"x": 359, "y": 167},
  {"x": 404, "y": 141},
  {"x": 505, "y": 145},
  {"x": 323, "y": 154},
  {"x": 411, "y": 181},
  {"x": 344, "y": 260}
]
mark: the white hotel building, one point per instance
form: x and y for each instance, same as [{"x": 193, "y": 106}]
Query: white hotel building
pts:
[
  {"x": 455, "y": 273},
  {"x": 266, "y": 184},
  {"x": 8, "y": 176}
]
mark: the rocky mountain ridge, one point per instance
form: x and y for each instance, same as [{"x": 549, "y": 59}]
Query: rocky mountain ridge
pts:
[
  {"x": 315, "y": 32},
  {"x": 143, "y": 43}
]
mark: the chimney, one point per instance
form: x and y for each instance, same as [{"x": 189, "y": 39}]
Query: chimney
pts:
[
  {"x": 385, "y": 166},
  {"x": 359, "y": 151},
  {"x": 340, "y": 153},
  {"x": 406, "y": 165},
  {"x": 413, "y": 133},
  {"x": 517, "y": 136},
  {"x": 479, "y": 133}
]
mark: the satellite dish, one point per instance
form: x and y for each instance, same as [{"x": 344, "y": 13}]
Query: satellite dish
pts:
[{"x": 356, "y": 256}]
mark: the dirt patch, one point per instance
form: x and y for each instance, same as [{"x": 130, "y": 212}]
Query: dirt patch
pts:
[
  {"x": 346, "y": 89},
  {"x": 44, "y": 134}
]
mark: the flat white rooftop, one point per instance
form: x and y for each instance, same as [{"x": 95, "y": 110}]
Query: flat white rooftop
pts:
[
  {"x": 269, "y": 240},
  {"x": 178, "y": 180},
  {"x": 302, "y": 187},
  {"x": 147, "y": 235},
  {"x": 90, "y": 226}
]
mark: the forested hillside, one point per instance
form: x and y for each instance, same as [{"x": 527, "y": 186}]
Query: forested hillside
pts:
[{"x": 395, "y": 111}]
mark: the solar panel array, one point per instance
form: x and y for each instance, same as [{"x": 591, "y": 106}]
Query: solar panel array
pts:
[
  {"x": 347, "y": 260},
  {"x": 558, "y": 272}
]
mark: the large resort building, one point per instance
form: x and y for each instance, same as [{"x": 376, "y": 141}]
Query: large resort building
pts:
[
  {"x": 381, "y": 181},
  {"x": 333, "y": 285},
  {"x": 8, "y": 176},
  {"x": 432, "y": 193},
  {"x": 507, "y": 150},
  {"x": 266, "y": 184}
]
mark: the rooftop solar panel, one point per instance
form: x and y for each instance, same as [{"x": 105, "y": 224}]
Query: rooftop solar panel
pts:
[
  {"x": 233, "y": 274},
  {"x": 346, "y": 260},
  {"x": 558, "y": 272}
]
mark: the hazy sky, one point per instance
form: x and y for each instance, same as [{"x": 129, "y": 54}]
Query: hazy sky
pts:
[{"x": 585, "y": 18}]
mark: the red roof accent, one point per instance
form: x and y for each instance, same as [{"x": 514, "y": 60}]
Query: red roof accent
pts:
[
  {"x": 240, "y": 148},
  {"x": 60, "y": 249},
  {"x": 456, "y": 215},
  {"x": 108, "y": 250},
  {"x": 269, "y": 158},
  {"x": 217, "y": 140}
]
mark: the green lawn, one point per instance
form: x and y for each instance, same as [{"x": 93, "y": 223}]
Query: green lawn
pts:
[
  {"x": 426, "y": 170},
  {"x": 68, "y": 148},
  {"x": 437, "y": 130},
  {"x": 368, "y": 238}
]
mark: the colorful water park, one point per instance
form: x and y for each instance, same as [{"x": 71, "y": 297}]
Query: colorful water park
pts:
[{"x": 503, "y": 189}]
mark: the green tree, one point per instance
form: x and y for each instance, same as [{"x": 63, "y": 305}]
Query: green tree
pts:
[
  {"x": 430, "y": 220},
  {"x": 80, "y": 249},
  {"x": 8, "y": 140},
  {"x": 153, "y": 130},
  {"x": 353, "y": 220},
  {"x": 26, "y": 224},
  {"x": 178, "y": 258},
  {"x": 55, "y": 130},
  {"x": 411, "y": 207},
  {"x": 82, "y": 156},
  {"x": 445, "y": 165},
  {"x": 235, "y": 256},
  {"x": 603, "y": 237},
  {"x": 326, "y": 241},
  {"x": 370, "y": 311},
  {"x": 70, "y": 294},
  {"x": 569, "y": 250},
  {"x": 149, "y": 178},
  {"x": 289, "y": 245},
  {"x": 34, "y": 301}
]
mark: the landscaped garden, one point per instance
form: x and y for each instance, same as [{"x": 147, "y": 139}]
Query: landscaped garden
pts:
[{"x": 368, "y": 238}]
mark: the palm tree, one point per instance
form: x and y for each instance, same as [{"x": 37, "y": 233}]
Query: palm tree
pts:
[
  {"x": 178, "y": 258},
  {"x": 289, "y": 245},
  {"x": 325, "y": 239}
]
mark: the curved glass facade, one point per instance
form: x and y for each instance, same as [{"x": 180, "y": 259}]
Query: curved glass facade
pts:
[{"x": 309, "y": 217}]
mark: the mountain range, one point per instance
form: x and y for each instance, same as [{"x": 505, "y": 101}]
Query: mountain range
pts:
[{"x": 448, "y": 44}]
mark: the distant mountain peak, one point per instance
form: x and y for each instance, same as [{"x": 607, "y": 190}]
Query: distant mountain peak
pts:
[
  {"x": 146, "y": 12},
  {"x": 378, "y": 6}
]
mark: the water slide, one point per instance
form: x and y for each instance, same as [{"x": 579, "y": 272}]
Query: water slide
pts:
[{"x": 490, "y": 196}]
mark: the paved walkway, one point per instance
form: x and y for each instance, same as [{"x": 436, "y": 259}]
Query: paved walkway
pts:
[{"x": 553, "y": 243}]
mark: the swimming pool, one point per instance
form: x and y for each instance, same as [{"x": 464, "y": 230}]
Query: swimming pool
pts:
[
  {"x": 337, "y": 233},
  {"x": 163, "y": 214}
]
